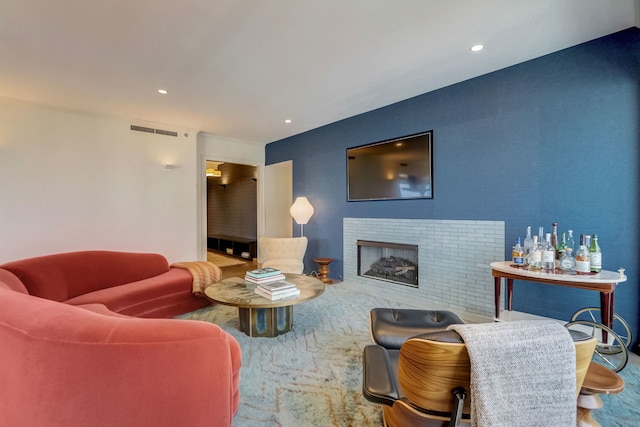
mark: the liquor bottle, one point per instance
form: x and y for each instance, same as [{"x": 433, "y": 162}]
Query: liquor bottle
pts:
[
  {"x": 518, "y": 254},
  {"x": 567, "y": 261},
  {"x": 595, "y": 255},
  {"x": 528, "y": 243},
  {"x": 582, "y": 258},
  {"x": 562, "y": 246},
  {"x": 541, "y": 236},
  {"x": 535, "y": 256},
  {"x": 548, "y": 255},
  {"x": 554, "y": 237},
  {"x": 571, "y": 243}
]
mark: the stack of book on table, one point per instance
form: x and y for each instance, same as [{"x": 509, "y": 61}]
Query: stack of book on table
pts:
[
  {"x": 264, "y": 275},
  {"x": 277, "y": 290},
  {"x": 271, "y": 284}
]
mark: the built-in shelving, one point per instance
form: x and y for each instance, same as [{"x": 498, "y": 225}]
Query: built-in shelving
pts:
[{"x": 232, "y": 245}]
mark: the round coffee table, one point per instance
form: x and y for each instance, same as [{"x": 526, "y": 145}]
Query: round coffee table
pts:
[{"x": 259, "y": 316}]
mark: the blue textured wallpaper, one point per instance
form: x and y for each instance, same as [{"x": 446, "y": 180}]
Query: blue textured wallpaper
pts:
[{"x": 552, "y": 139}]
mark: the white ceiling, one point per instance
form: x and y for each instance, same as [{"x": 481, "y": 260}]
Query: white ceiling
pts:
[{"x": 239, "y": 68}]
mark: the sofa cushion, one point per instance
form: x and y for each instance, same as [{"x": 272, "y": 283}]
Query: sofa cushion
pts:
[
  {"x": 60, "y": 277},
  {"x": 102, "y": 309},
  {"x": 391, "y": 327},
  {"x": 166, "y": 295},
  {"x": 286, "y": 265}
]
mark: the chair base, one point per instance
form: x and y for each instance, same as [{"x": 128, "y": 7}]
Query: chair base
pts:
[{"x": 401, "y": 414}]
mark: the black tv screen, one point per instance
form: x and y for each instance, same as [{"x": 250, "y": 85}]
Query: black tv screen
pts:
[{"x": 399, "y": 168}]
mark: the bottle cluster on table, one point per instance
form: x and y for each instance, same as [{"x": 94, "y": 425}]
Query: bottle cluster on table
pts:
[{"x": 547, "y": 252}]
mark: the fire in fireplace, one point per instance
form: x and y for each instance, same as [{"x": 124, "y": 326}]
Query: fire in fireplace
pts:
[{"x": 392, "y": 262}]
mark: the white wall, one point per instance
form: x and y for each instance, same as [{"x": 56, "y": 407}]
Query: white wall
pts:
[{"x": 73, "y": 181}]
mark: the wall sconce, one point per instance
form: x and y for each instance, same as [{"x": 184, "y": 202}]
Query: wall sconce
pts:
[
  {"x": 224, "y": 186},
  {"x": 301, "y": 211},
  {"x": 169, "y": 167}
]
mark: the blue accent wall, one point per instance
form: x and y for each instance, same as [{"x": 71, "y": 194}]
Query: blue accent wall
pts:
[{"x": 552, "y": 139}]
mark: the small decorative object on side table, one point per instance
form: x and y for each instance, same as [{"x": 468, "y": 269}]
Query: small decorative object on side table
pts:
[{"x": 324, "y": 269}]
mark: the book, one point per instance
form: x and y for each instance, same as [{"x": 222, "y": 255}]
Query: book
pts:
[
  {"x": 278, "y": 295},
  {"x": 263, "y": 272},
  {"x": 277, "y": 286},
  {"x": 269, "y": 279}
]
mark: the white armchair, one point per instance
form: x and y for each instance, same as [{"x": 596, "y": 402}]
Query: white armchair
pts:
[{"x": 284, "y": 253}]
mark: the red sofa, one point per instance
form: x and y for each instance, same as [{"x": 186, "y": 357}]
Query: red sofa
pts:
[
  {"x": 135, "y": 284},
  {"x": 72, "y": 354}
]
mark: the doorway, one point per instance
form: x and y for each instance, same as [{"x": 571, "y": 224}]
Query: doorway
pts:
[
  {"x": 277, "y": 199},
  {"x": 231, "y": 209}
]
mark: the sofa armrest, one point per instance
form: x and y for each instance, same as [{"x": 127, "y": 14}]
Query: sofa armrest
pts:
[
  {"x": 80, "y": 367},
  {"x": 8, "y": 280}
]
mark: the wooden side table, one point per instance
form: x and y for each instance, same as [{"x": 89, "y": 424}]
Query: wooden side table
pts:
[
  {"x": 599, "y": 380},
  {"x": 324, "y": 269}
]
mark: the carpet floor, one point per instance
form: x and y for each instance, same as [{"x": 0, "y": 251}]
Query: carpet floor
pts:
[{"x": 312, "y": 376}]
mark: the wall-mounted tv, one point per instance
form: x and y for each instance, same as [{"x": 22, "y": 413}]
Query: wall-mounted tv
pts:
[{"x": 399, "y": 168}]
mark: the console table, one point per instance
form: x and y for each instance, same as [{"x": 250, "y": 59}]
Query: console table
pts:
[{"x": 604, "y": 282}]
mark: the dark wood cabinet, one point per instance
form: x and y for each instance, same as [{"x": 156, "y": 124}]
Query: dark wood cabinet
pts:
[{"x": 232, "y": 245}]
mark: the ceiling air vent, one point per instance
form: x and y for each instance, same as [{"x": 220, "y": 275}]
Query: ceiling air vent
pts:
[
  {"x": 151, "y": 130},
  {"x": 166, "y": 132},
  {"x": 142, "y": 129}
]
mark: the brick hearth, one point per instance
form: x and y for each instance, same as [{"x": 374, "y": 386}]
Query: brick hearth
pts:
[{"x": 453, "y": 259}]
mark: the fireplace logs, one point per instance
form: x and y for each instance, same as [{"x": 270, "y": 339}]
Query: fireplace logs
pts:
[
  {"x": 391, "y": 262},
  {"x": 394, "y": 269}
]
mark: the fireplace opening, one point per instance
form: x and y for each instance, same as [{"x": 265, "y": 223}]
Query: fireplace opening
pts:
[{"x": 392, "y": 262}]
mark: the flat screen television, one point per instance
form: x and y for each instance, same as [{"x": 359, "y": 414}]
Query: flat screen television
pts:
[{"x": 399, "y": 168}]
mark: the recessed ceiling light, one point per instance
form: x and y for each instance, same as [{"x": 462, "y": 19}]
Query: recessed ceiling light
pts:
[
  {"x": 163, "y": 91},
  {"x": 476, "y": 48},
  {"x": 287, "y": 121}
]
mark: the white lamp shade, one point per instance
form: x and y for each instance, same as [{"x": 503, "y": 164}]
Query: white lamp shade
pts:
[{"x": 301, "y": 210}]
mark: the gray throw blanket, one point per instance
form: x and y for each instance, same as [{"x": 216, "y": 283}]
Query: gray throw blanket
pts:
[{"x": 522, "y": 373}]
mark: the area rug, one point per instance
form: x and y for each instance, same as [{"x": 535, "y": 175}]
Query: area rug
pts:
[
  {"x": 223, "y": 261},
  {"x": 622, "y": 409},
  {"x": 312, "y": 376}
]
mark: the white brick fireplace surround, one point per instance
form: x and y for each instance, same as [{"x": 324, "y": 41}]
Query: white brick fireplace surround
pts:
[{"x": 453, "y": 261}]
